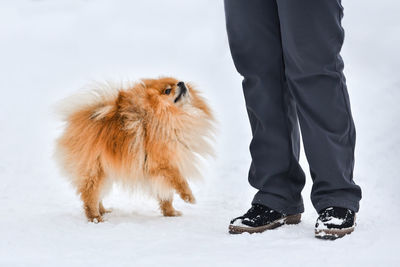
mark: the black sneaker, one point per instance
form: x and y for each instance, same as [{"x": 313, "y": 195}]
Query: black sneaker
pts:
[
  {"x": 260, "y": 218},
  {"x": 335, "y": 222}
]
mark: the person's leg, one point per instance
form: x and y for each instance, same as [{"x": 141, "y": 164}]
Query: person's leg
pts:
[
  {"x": 312, "y": 37},
  {"x": 255, "y": 43}
]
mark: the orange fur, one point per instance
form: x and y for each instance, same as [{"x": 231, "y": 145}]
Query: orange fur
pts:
[{"x": 137, "y": 136}]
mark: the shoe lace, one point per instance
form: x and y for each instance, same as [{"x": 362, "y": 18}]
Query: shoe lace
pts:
[
  {"x": 341, "y": 213},
  {"x": 255, "y": 209}
]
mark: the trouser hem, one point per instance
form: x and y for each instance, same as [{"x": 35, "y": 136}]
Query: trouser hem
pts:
[
  {"x": 333, "y": 202},
  {"x": 276, "y": 204}
]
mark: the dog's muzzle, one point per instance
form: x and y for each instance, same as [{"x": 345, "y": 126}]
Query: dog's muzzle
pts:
[{"x": 182, "y": 91}]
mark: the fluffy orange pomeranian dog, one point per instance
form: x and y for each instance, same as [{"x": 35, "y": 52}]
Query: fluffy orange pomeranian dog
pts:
[{"x": 147, "y": 135}]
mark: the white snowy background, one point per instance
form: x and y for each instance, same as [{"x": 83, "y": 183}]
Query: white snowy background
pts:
[{"x": 50, "y": 49}]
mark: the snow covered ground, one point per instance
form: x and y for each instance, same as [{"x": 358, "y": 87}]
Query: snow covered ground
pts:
[{"x": 49, "y": 49}]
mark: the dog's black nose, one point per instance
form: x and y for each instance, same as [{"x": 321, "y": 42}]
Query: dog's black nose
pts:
[{"x": 181, "y": 84}]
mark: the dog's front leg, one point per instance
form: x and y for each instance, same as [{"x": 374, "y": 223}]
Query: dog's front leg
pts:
[
  {"x": 173, "y": 178},
  {"x": 167, "y": 209}
]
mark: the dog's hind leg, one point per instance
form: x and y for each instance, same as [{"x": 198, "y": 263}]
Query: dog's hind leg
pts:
[
  {"x": 167, "y": 208},
  {"x": 90, "y": 190}
]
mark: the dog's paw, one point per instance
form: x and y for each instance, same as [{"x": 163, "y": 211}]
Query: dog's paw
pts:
[
  {"x": 96, "y": 219},
  {"x": 172, "y": 213},
  {"x": 189, "y": 198}
]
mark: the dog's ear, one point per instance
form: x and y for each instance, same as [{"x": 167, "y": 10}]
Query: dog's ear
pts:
[
  {"x": 127, "y": 104},
  {"x": 122, "y": 100}
]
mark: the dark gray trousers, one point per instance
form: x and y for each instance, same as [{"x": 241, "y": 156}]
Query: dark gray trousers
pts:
[{"x": 288, "y": 52}]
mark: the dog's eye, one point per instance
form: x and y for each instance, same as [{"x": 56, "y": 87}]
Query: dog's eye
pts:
[{"x": 167, "y": 91}]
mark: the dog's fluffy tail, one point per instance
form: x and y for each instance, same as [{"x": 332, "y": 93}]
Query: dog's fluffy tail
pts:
[{"x": 94, "y": 95}]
